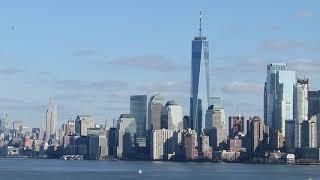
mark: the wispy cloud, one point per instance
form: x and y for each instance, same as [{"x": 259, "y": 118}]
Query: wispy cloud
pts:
[
  {"x": 10, "y": 104},
  {"x": 44, "y": 73},
  {"x": 10, "y": 71},
  {"x": 6, "y": 100},
  {"x": 255, "y": 65},
  {"x": 304, "y": 65},
  {"x": 86, "y": 53},
  {"x": 70, "y": 97},
  {"x": 275, "y": 28},
  {"x": 165, "y": 87},
  {"x": 252, "y": 64},
  {"x": 305, "y": 13},
  {"x": 241, "y": 65},
  {"x": 149, "y": 62},
  {"x": 243, "y": 87},
  {"x": 94, "y": 85},
  {"x": 277, "y": 45}
]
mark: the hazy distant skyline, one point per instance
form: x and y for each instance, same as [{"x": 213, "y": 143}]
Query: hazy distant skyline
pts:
[{"x": 90, "y": 56}]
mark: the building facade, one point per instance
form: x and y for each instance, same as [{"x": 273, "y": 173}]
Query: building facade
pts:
[
  {"x": 237, "y": 124},
  {"x": 313, "y": 103},
  {"x": 215, "y": 117},
  {"x": 69, "y": 128},
  {"x": 205, "y": 150},
  {"x": 309, "y": 133},
  {"x": 300, "y": 100},
  {"x": 51, "y": 121},
  {"x": 171, "y": 116},
  {"x": 82, "y": 123},
  {"x": 200, "y": 82},
  {"x": 300, "y": 107},
  {"x": 290, "y": 140},
  {"x": 235, "y": 144},
  {"x": 215, "y": 129},
  {"x": 190, "y": 145},
  {"x": 270, "y": 92},
  {"x": 126, "y": 133},
  {"x": 256, "y": 134},
  {"x": 4, "y": 125},
  {"x": 97, "y": 147},
  {"x": 186, "y": 120},
  {"x": 162, "y": 144},
  {"x": 17, "y": 125},
  {"x": 285, "y": 82},
  {"x": 155, "y": 106},
  {"x": 138, "y": 109}
]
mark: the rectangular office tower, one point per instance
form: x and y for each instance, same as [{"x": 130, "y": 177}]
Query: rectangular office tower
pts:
[
  {"x": 138, "y": 109},
  {"x": 284, "y": 99},
  {"x": 199, "y": 80},
  {"x": 300, "y": 106},
  {"x": 314, "y": 103},
  {"x": 300, "y": 100},
  {"x": 155, "y": 106}
]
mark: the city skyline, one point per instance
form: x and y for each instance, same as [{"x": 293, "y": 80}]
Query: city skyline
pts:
[
  {"x": 116, "y": 105},
  {"x": 56, "y": 69}
]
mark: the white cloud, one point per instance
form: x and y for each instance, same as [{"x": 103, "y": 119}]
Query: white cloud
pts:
[
  {"x": 149, "y": 62},
  {"x": 165, "y": 87},
  {"x": 304, "y": 65},
  {"x": 93, "y": 85},
  {"x": 276, "y": 45},
  {"x": 243, "y": 87}
]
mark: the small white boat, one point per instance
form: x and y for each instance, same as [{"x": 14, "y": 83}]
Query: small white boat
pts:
[{"x": 139, "y": 172}]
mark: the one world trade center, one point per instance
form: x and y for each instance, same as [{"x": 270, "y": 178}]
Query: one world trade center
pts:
[{"x": 200, "y": 83}]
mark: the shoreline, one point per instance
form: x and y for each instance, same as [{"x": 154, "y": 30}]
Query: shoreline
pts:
[{"x": 303, "y": 163}]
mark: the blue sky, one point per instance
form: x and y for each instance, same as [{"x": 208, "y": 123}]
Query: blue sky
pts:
[{"x": 89, "y": 56}]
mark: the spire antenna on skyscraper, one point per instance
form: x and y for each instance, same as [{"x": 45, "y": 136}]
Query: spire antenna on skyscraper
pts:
[
  {"x": 200, "y": 28},
  {"x": 200, "y": 86}
]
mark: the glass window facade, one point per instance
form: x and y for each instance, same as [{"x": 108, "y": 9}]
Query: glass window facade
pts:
[
  {"x": 138, "y": 109},
  {"x": 200, "y": 83}
]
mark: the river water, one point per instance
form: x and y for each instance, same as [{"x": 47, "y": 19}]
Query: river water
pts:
[{"x": 112, "y": 170}]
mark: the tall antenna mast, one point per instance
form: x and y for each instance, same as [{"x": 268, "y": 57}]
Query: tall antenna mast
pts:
[{"x": 200, "y": 28}]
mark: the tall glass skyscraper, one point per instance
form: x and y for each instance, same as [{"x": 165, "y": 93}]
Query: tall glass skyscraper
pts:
[
  {"x": 200, "y": 85},
  {"x": 300, "y": 100},
  {"x": 300, "y": 107},
  {"x": 314, "y": 103},
  {"x": 278, "y": 100},
  {"x": 138, "y": 109},
  {"x": 284, "y": 99},
  {"x": 270, "y": 91}
]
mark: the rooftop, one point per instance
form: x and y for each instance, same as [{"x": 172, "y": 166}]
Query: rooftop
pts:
[
  {"x": 126, "y": 116},
  {"x": 171, "y": 103}
]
